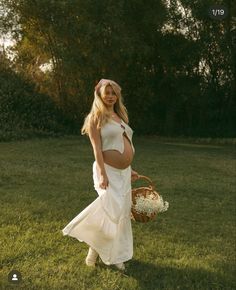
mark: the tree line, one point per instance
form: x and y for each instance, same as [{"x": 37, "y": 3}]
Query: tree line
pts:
[{"x": 176, "y": 65}]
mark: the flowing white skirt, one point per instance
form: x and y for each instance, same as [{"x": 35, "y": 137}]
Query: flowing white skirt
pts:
[{"x": 105, "y": 224}]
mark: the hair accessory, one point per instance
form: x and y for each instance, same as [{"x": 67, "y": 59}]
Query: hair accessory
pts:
[{"x": 106, "y": 81}]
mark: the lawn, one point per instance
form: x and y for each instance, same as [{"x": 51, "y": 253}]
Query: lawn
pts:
[{"x": 45, "y": 183}]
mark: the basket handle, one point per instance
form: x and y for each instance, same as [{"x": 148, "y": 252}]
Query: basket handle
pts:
[{"x": 147, "y": 179}]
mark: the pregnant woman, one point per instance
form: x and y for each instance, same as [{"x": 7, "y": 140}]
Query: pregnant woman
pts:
[{"x": 105, "y": 225}]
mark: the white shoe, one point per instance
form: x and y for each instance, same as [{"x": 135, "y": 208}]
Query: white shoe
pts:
[
  {"x": 120, "y": 266},
  {"x": 91, "y": 257}
]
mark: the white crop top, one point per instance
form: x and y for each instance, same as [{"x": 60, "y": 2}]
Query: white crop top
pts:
[{"x": 112, "y": 135}]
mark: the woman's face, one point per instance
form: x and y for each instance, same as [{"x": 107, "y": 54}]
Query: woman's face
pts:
[{"x": 110, "y": 97}]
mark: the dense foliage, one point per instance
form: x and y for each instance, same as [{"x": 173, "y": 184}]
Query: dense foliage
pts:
[
  {"x": 24, "y": 111},
  {"x": 176, "y": 65}
]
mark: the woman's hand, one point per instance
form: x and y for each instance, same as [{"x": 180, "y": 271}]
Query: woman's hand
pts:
[
  {"x": 103, "y": 181},
  {"x": 134, "y": 175}
]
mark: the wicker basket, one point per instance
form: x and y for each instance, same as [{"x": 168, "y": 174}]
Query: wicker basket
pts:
[{"x": 143, "y": 191}]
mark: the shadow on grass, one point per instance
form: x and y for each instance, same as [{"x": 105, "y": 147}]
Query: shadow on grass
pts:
[{"x": 150, "y": 276}]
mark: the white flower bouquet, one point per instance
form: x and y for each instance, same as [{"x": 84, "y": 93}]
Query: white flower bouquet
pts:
[
  {"x": 146, "y": 202},
  {"x": 150, "y": 204}
]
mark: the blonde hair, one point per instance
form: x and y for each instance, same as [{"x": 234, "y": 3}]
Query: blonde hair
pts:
[{"x": 99, "y": 114}]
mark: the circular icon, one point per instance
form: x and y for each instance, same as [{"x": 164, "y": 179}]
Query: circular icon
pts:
[
  {"x": 218, "y": 12},
  {"x": 14, "y": 277}
]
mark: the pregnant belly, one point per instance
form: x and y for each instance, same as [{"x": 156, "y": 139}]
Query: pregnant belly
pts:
[{"x": 119, "y": 160}]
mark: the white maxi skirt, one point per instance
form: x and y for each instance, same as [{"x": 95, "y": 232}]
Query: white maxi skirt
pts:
[{"x": 105, "y": 224}]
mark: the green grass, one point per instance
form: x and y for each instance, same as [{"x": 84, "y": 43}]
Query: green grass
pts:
[{"x": 45, "y": 183}]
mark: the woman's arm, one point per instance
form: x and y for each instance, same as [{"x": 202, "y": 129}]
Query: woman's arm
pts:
[
  {"x": 134, "y": 175},
  {"x": 95, "y": 139}
]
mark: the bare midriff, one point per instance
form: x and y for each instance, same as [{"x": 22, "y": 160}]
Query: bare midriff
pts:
[{"x": 119, "y": 160}]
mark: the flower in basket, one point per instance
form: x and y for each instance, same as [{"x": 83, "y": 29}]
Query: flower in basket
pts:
[{"x": 150, "y": 204}]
